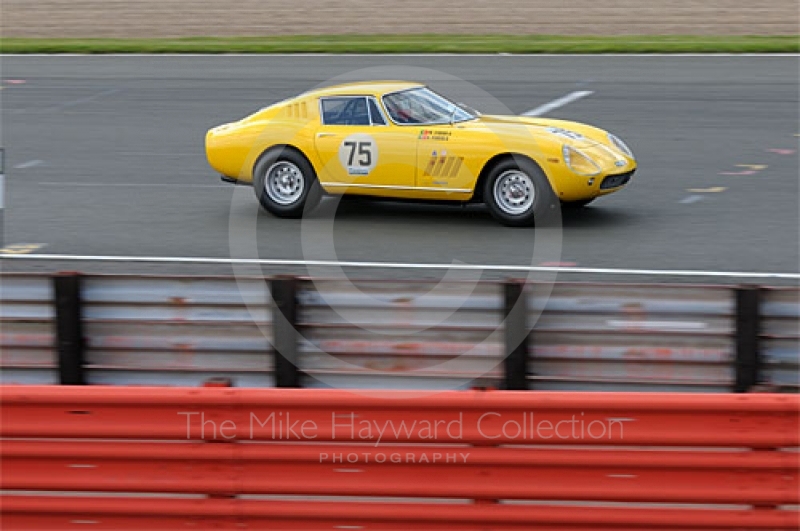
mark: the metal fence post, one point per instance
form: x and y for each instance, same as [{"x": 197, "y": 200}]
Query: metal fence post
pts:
[
  {"x": 748, "y": 352},
  {"x": 516, "y": 336},
  {"x": 69, "y": 328},
  {"x": 284, "y": 322},
  {"x": 2, "y": 197}
]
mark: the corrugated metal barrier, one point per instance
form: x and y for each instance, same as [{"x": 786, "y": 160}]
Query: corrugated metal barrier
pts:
[
  {"x": 27, "y": 329},
  {"x": 634, "y": 338},
  {"x": 142, "y": 330},
  {"x": 401, "y": 334},
  {"x": 780, "y": 337},
  {"x": 177, "y": 331}
]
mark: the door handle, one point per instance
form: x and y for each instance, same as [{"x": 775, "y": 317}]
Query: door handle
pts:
[{"x": 322, "y": 135}]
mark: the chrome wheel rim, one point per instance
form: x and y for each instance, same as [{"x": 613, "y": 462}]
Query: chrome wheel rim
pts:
[
  {"x": 514, "y": 192},
  {"x": 284, "y": 183}
]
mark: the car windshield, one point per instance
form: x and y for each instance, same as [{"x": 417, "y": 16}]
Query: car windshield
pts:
[{"x": 423, "y": 106}]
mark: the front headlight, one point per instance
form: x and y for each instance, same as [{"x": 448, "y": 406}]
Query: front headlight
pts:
[
  {"x": 620, "y": 145},
  {"x": 579, "y": 162}
]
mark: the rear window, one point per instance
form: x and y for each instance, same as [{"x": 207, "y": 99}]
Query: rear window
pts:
[{"x": 345, "y": 111}]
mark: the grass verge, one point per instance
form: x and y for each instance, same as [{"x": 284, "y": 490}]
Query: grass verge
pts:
[{"x": 414, "y": 44}]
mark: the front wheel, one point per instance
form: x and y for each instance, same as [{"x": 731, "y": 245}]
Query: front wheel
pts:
[
  {"x": 518, "y": 193},
  {"x": 285, "y": 183}
]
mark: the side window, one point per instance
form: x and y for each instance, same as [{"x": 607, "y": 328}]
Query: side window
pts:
[
  {"x": 345, "y": 111},
  {"x": 375, "y": 113}
]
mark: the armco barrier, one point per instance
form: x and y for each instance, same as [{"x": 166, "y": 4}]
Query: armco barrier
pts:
[
  {"x": 169, "y": 458},
  {"x": 155, "y": 330},
  {"x": 780, "y": 336},
  {"x": 364, "y": 338},
  {"x": 27, "y": 329},
  {"x": 600, "y": 337},
  {"x": 635, "y": 337}
]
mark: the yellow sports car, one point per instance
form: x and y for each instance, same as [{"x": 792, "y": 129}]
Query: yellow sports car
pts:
[{"x": 402, "y": 140}]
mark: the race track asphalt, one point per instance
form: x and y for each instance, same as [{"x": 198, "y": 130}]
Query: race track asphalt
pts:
[{"x": 105, "y": 157}]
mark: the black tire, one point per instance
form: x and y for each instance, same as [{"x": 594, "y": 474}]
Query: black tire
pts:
[
  {"x": 543, "y": 206},
  {"x": 294, "y": 166},
  {"x": 577, "y": 204}
]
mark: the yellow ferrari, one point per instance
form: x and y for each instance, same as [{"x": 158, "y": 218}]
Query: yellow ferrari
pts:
[{"x": 402, "y": 140}]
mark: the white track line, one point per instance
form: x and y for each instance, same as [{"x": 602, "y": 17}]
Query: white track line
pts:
[
  {"x": 29, "y": 164},
  {"x": 691, "y": 199},
  {"x": 398, "y": 265},
  {"x": 560, "y": 102},
  {"x": 135, "y": 185},
  {"x": 81, "y": 101}
]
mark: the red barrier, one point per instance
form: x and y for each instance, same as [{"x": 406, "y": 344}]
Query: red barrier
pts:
[
  {"x": 37, "y": 513},
  {"x": 469, "y": 446},
  {"x": 758, "y": 421},
  {"x": 463, "y": 472}
]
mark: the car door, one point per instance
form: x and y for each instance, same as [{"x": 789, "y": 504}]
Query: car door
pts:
[
  {"x": 360, "y": 150},
  {"x": 441, "y": 156}
]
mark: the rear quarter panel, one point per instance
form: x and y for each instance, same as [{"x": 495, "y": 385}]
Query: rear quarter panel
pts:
[{"x": 235, "y": 150}]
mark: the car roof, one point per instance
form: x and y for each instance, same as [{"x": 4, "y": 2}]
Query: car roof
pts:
[{"x": 360, "y": 88}]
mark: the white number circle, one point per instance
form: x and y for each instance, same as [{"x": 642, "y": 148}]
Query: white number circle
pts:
[{"x": 358, "y": 154}]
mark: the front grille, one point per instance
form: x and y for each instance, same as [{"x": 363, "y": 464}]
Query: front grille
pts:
[{"x": 613, "y": 181}]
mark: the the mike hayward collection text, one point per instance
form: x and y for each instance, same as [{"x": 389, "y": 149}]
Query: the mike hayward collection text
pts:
[{"x": 356, "y": 427}]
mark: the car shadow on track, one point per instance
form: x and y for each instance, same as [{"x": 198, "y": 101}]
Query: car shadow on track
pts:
[
  {"x": 596, "y": 216},
  {"x": 367, "y": 210}
]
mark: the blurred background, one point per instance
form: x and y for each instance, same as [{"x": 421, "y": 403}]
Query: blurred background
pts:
[{"x": 172, "y": 18}]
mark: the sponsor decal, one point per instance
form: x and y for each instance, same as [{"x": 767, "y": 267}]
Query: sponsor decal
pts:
[
  {"x": 443, "y": 166},
  {"x": 430, "y": 134}
]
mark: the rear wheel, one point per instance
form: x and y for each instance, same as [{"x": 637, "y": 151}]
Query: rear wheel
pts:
[
  {"x": 518, "y": 193},
  {"x": 285, "y": 183}
]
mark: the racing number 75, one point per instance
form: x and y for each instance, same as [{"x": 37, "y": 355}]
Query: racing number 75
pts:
[{"x": 364, "y": 153}]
